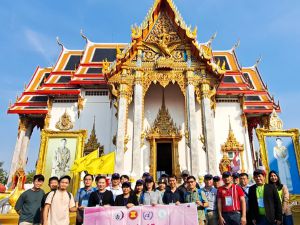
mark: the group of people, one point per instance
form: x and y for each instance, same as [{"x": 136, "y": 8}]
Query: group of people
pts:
[{"x": 227, "y": 201}]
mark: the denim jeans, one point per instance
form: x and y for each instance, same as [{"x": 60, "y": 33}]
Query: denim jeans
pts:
[
  {"x": 262, "y": 220},
  {"x": 288, "y": 220},
  {"x": 232, "y": 218}
]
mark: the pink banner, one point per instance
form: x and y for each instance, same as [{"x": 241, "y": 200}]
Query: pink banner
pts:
[{"x": 184, "y": 214}]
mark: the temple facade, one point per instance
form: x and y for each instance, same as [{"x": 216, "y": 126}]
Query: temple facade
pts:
[{"x": 164, "y": 102}]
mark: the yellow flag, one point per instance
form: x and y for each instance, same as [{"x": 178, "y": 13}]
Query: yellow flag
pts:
[
  {"x": 103, "y": 165},
  {"x": 81, "y": 163}
]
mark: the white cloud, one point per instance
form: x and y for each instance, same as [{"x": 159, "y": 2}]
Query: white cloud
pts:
[{"x": 42, "y": 44}]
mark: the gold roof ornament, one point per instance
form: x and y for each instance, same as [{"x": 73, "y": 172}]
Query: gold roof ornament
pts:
[
  {"x": 275, "y": 122},
  {"x": 231, "y": 143},
  {"x": 65, "y": 122},
  {"x": 92, "y": 143},
  {"x": 164, "y": 125}
]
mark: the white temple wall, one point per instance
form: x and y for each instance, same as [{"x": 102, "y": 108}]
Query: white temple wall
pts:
[
  {"x": 128, "y": 153},
  {"x": 203, "y": 157},
  {"x": 222, "y": 113},
  {"x": 58, "y": 109},
  {"x": 174, "y": 101}
]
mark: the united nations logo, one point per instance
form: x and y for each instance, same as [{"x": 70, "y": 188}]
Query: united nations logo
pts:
[
  {"x": 147, "y": 215},
  {"x": 119, "y": 215},
  {"x": 162, "y": 214},
  {"x": 133, "y": 214}
]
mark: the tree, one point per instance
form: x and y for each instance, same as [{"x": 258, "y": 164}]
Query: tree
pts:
[
  {"x": 29, "y": 176},
  {"x": 3, "y": 174}
]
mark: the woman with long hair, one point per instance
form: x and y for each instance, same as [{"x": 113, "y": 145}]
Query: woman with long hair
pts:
[
  {"x": 150, "y": 195},
  {"x": 138, "y": 190},
  {"x": 284, "y": 197}
]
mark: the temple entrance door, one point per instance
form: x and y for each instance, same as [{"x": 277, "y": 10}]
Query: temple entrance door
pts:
[{"x": 164, "y": 159}]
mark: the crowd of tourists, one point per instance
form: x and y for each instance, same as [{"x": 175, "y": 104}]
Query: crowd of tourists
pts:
[{"x": 233, "y": 199}]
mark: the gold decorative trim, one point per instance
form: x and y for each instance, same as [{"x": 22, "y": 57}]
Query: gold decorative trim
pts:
[
  {"x": 65, "y": 122},
  {"x": 261, "y": 136},
  {"x": 275, "y": 122},
  {"x": 48, "y": 116},
  {"x": 80, "y": 135}
]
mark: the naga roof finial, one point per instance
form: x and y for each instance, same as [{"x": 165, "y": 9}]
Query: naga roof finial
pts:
[
  {"x": 236, "y": 45},
  {"x": 83, "y": 36},
  {"x": 59, "y": 42}
]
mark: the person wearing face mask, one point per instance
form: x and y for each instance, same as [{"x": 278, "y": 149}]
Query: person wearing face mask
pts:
[{"x": 264, "y": 201}]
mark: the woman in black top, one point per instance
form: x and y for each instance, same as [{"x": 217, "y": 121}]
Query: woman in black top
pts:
[
  {"x": 127, "y": 199},
  {"x": 101, "y": 197}
]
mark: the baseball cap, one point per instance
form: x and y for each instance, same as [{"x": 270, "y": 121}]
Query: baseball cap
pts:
[
  {"x": 208, "y": 177},
  {"x": 258, "y": 172},
  {"x": 149, "y": 179},
  {"x": 226, "y": 174},
  {"x": 126, "y": 184},
  {"x": 185, "y": 173},
  {"x": 139, "y": 182},
  {"x": 235, "y": 175},
  {"x": 146, "y": 174},
  {"x": 115, "y": 176},
  {"x": 216, "y": 178}
]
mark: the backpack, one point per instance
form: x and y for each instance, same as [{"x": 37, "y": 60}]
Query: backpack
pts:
[{"x": 69, "y": 194}]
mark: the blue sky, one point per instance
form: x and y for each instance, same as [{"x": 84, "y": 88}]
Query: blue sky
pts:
[{"x": 28, "y": 30}]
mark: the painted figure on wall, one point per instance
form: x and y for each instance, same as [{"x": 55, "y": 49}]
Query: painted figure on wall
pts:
[
  {"x": 61, "y": 160},
  {"x": 281, "y": 154},
  {"x": 236, "y": 163}
]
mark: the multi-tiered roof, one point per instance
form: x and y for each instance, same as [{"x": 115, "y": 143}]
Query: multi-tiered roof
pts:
[{"x": 75, "y": 69}]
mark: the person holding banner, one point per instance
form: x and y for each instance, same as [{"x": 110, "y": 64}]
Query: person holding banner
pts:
[
  {"x": 82, "y": 197},
  {"x": 173, "y": 195},
  {"x": 231, "y": 202},
  {"x": 115, "y": 187},
  {"x": 197, "y": 196},
  {"x": 101, "y": 197},
  {"x": 139, "y": 188},
  {"x": 150, "y": 196},
  {"x": 127, "y": 199}
]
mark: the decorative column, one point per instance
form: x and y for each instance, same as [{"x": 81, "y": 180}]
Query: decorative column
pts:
[
  {"x": 192, "y": 124},
  {"x": 137, "y": 125},
  {"x": 121, "y": 126},
  {"x": 208, "y": 128},
  {"x": 20, "y": 153}
]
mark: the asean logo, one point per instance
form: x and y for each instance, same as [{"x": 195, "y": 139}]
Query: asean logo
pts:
[{"x": 133, "y": 214}]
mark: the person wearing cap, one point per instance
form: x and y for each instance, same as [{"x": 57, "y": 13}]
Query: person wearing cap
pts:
[
  {"x": 235, "y": 177},
  {"x": 231, "y": 202},
  {"x": 162, "y": 185},
  {"x": 59, "y": 204},
  {"x": 145, "y": 175},
  {"x": 127, "y": 199},
  {"x": 264, "y": 201},
  {"x": 184, "y": 187},
  {"x": 217, "y": 182},
  {"x": 83, "y": 195},
  {"x": 150, "y": 196},
  {"x": 101, "y": 197},
  {"x": 244, "y": 183},
  {"x": 172, "y": 195},
  {"x": 211, "y": 194},
  {"x": 139, "y": 188},
  {"x": 115, "y": 187},
  {"x": 198, "y": 197}
]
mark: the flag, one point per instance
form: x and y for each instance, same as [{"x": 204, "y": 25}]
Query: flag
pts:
[
  {"x": 81, "y": 163},
  {"x": 102, "y": 165}
]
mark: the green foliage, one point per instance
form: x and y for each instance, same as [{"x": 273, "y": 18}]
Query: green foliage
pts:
[
  {"x": 29, "y": 176},
  {"x": 3, "y": 174}
]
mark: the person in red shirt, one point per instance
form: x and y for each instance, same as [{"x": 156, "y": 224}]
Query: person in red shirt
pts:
[{"x": 231, "y": 202}]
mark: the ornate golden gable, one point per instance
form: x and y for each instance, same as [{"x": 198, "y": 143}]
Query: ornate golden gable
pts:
[
  {"x": 164, "y": 125},
  {"x": 231, "y": 143}
]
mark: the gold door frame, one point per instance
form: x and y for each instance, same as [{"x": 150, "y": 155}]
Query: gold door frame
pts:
[{"x": 153, "y": 153}]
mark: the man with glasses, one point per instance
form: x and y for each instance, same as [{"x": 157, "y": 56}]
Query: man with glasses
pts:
[
  {"x": 82, "y": 197},
  {"x": 197, "y": 196}
]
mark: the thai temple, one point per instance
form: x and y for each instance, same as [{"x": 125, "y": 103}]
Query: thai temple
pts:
[{"x": 165, "y": 102}]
